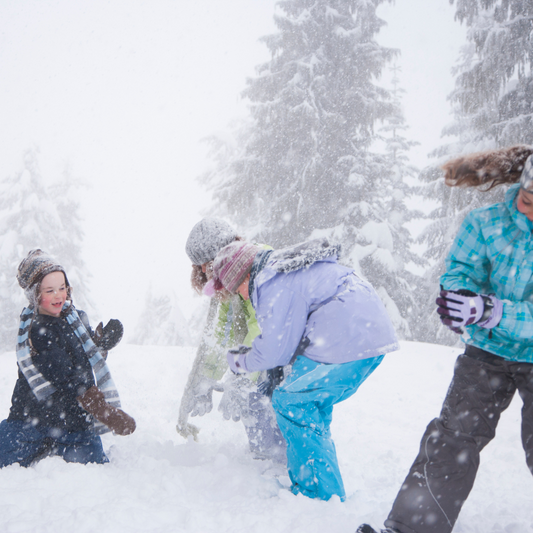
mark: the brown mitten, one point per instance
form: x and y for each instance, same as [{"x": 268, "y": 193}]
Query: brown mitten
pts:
[{"x": 93, "y": 401}]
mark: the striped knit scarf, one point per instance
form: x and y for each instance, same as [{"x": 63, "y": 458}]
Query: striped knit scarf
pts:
[{"x": 40, "y": 386}]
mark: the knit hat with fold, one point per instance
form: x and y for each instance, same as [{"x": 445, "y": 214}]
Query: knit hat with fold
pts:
[
  {"x": 231, "y": 266},
  {"x": 207, "y": 238},
  {"x": 33, "y": 269}
]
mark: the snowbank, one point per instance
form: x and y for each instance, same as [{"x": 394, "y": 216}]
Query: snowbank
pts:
[{"x": 158, "y": 482}]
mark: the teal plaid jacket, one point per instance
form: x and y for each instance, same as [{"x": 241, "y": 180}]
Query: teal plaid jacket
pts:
[{"x": 493, "y": 254}]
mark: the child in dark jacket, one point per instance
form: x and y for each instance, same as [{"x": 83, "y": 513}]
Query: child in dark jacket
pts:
[{"x": 64, "y": 396}]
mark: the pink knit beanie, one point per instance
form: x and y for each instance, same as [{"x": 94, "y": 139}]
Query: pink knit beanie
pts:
[{"x": 231, "y": 266}]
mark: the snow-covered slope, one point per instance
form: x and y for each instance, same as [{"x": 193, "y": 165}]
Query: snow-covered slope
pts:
[{"x": 159, "y": 483}]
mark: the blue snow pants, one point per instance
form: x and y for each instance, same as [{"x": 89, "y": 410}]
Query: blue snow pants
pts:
[
  {"x": 22, "y": 443},
  {"x": 304, "y": 408}
]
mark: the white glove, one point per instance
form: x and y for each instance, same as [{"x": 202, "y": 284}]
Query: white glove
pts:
[
  {"x": 234, "y": 403},
  {"x": 200, "y": 398}
]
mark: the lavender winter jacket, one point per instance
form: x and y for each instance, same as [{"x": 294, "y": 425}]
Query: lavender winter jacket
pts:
[{"x": 340, "y": 314}]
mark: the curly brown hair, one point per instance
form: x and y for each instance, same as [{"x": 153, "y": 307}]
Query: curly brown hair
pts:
[
  {"x": 488, "y": 169},
  {"x": 198, "y": 278}
]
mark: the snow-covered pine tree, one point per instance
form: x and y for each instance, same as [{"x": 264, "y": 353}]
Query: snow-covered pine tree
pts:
[
  {"x": 69, "y": 244},
  {"x": 161, "y": 323},
  {"x": 495, "y": 84},
  {"x": 306, "y": 166},
  {"x": 32, "y": 216},
  {"x": 492, "y": 109},
  {"x": 398, "y": 183},
  {"x": 27, "y": 218}
]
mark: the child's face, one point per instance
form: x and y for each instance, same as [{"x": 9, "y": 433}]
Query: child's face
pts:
[
  {"x": 53, "y": 294},
  {"x": 242, "y": 289},
  {"x": 524, "y": 203}
]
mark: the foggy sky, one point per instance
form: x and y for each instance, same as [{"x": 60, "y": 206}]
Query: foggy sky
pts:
[{"x": 122, "y": 92}]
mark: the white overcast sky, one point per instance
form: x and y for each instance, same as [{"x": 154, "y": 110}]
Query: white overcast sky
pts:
[{"x": 123, "y": 91}]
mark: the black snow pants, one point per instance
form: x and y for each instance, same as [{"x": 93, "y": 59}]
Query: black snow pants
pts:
[{"x": 444, "y": 471}]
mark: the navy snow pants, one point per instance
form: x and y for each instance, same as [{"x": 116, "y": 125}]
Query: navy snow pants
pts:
[{"x": 22, "y": 443}]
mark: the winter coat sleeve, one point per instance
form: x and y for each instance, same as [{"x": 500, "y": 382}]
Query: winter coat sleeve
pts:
[
  {"x": 468, "y": 266},
  {"x": 57, "y": 362},
  {"x": 282, "y": 316}
]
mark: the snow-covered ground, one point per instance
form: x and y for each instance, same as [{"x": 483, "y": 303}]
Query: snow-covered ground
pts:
[{"x": 158, "y": 482}]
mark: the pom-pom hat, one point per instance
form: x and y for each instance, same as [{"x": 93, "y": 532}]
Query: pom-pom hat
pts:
[
  {"x": 33, "y": 269},
  {"x": 231, "y": 266}
]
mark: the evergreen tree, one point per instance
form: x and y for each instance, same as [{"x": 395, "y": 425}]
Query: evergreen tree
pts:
[
  {"x": 398, "y": 181},
  {"x": 67, "y": 247},
  {"x": 162, "y": 322},
  {"x": 305, "y": 166},
  {"x": 495, "y": 81},
  {"x": 31, "y": 216},
  {"x": 491, "y": 106}
]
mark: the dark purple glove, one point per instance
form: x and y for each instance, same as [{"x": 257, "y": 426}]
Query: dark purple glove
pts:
[{"x": 463, "y": 308}]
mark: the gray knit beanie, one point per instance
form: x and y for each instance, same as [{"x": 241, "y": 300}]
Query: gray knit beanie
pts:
[{"x": 207, "y": 238}]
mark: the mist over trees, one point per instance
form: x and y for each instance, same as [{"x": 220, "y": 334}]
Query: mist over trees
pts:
[
  {"x": 323, "y": 152},
  {"x": 307, "y": 163},
  {"x": 492, "y": 108},
  {"x": 161, "y": 322},
  {"x": 34, "y": 215}
]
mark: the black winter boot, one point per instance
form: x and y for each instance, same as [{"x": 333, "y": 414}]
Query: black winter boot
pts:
[{"x": 365, "y": 528}]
